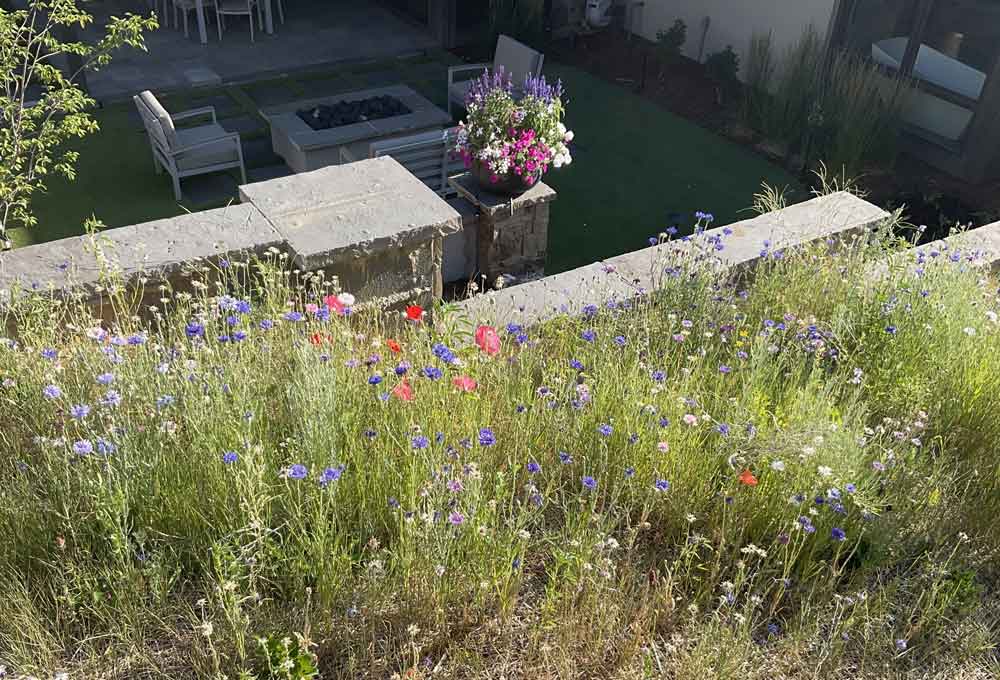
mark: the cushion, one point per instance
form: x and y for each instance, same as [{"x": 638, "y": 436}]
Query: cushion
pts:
[
  {"x": 517, "y": 59},
  {"x": 217, "y": 153},
  {"x": 166, "y": 122}
]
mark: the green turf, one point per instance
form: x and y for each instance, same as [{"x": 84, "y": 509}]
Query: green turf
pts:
[{"x": 637, "y": 168}]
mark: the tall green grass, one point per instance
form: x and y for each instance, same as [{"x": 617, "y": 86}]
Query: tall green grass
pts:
[{"x": 584, "y": 511}]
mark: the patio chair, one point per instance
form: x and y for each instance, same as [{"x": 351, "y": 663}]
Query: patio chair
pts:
[
  {"x": 238, "y": 8},
  {"x": 184, "y": 152},
  {"x": 516, "y": 59},
  {"x": 429, "y": 156},
  {"x": 182, "y": 7}
]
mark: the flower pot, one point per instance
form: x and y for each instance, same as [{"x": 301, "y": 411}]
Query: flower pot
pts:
[{"x": 505, "y": 185}]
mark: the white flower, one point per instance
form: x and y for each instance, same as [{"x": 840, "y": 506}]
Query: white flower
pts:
[
  {"x": 969, "y": 330},
  {"x": 778, "y": 465},
  {"x": 346, "y": 299},
  {"x": 824, "y": 471},
  {"x": 568, "y": 137}
]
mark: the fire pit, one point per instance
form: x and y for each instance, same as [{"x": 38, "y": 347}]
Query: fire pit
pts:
[
  {"x": 311, "y": 134},
  {"x": 325, "y": 116}
]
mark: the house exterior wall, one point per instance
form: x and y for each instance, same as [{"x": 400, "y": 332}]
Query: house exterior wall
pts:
[{"x": 733, "y": 22}]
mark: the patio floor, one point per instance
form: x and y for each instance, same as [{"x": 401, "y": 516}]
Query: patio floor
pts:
[{"x": 315, "y": 33}]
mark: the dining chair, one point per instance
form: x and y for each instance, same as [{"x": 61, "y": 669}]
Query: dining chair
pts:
[
  {"x": 182, "y": 7},
  {"x": 238, "y": 8}
]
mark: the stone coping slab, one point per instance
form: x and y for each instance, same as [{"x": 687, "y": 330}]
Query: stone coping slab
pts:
[
  {"x": 351, "y": 210},
  {"x": 156, "y": 249},
  {"x": 491, "y": 204},
  {"x": 979, "y": 247},
  {"x": 628, "y": 275},
  {"x": 423, "y": 114}
]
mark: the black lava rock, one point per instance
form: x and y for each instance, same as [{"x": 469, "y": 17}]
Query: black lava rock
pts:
[{"x": 325, "y": 116}]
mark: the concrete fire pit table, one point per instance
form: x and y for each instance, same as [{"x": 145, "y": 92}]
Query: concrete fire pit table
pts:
[{"x": 304, "y": 148}]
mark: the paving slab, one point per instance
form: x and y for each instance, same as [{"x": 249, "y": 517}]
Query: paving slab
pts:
[
  {"x": 209, "y": 190},
  {"x": 244, "y": 125}
]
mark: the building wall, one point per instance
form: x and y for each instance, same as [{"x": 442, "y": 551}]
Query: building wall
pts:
[{"x": 733, "y": 22}]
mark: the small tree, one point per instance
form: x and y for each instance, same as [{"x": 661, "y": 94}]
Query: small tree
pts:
[{"x": 42, "y": 105}]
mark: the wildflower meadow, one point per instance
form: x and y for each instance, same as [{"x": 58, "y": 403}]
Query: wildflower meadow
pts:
[{"x": 787, "y": 474}]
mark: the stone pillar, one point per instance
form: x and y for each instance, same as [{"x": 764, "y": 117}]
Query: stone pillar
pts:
[
  {"x": 513, "y": 232},
  {"x": 372, "y": 224}
]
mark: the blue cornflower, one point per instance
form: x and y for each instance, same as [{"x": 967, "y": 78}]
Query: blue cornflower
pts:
[
  {"x": 104, "y": 447},
  {"x": 658, "y": 376},
  {"x": 293, "y": 316},
  {"x": 443, "y": 353},
  {"x": 239, "y": 336},
  {"x": 79, "y": 411},
  {"x": 588, "y": 482},
  {"x": 164, "y": 401},
  {"x": 575, "y": 364},
  {"x": 662, "y": 485},
  {"x": 136, "y": 339},
  {"x": 838, "y": 534},
  {"x": 664, "y": 422},
  {"x": 374, "y": 379},
  {"x": 106, "y": 378},
  {"x": 370, "y": 433},
  {"x": 723, "y": 429},
  {"x": 833, "y": 493},
  {"x": 891, "y": 330},
  {"x": 589, "y": 335},
  {"x": 194, "y": 330},
  {"x": 533, "y": 467},
  {"x": 620, "y": 340},
  {"x": 850, "y": 488},
  {"x": 521, "y": 338},
  {"x": 111, "y": 398},
  {"x": 402, "y": 368},
  {"x": 901, "y": 645},
  {"x": 232, "y": 320},
  {"x": 590, "y": 311},
  {"x": 266, "y": 324},
  {"x": 432, "y": 372},
  {"x": 330, "y": 474},
  {"x": 51, "y": 392},
  {"x": 514, "y": 328},
  {"x": 725, "y": 369},
  {"x": 420, "y": 442},
  {"x": 49, "y": 353},
  {"x": 629, "y": 472},
  {"x": 229, "y": 457},
  {"x": 605, "y": 429},
  {"x": 83, "y": 447},
  {"x": 565, "y": 458},
  {"x": 297, "y": 471},
  {"x": 486, "y": 437},
  {"x": 242, "y": 307}
]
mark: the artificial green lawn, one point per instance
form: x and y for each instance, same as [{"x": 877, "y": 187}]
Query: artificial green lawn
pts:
[{"x": 637, "y": 169}]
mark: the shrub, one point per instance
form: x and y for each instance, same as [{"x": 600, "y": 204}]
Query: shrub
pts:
[{"x": 670, "y": 41}]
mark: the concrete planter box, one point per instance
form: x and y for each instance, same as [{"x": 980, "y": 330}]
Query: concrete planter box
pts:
[{"x": 305, "y": 149}]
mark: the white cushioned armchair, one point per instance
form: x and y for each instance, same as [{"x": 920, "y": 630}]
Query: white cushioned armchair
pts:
[
  {"x": 184, "y": 152},
  {"x": 517, "y": 59}
]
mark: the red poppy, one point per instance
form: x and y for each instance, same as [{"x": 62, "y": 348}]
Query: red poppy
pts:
[
  {"x": 746, "y": 477},
  {"x": 488, "y": 340},
  {"x": 316, "y": 338},
  {"x": 464, "y": 383},
  {"x": 394, "y": 346},
  {"x": 414, "y": 312},
  {"x": 403, "y": 391}
]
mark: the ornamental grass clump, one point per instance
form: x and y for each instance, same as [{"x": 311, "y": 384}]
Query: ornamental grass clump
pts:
[
  {"x": 793, "y": 475},
  {"x": 510, "y": 134}
]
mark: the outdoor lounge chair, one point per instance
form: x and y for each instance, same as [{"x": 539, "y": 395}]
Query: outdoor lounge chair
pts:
[
  {"x": 429, "y": 156},
  {"x": 184, "y": 152},
  {"x": 517, "y": 60}
]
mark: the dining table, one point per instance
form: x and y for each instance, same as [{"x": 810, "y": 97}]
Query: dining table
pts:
[{"x": 203, "y": 33}]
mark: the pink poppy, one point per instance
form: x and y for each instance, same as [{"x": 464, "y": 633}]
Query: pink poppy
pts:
[
  {"x": 334, "y": 304},
  {"x": 403, "y": 391},
  {"x": 464, "y": 383},
  {"x": 488, "y": 340}
]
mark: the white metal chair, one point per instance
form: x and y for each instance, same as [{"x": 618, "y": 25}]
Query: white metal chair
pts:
[
  {"x": 184, "y": 152},
  {"x": 238, "y": 8},
  {"x": 516, "y": 59},
  {"x": 429, "y": 156},
  {"x": 182, "y": 7}
]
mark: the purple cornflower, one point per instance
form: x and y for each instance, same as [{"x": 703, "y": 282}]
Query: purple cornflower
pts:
[
  {"x": 455, "y": 485},
  {"x": 443, "y": 353},
  {"x": 662, "y": 485},
  {"x": 605, "y": 429},
  {"x": 658, "y": 376},
  {"x": 293, "y": 316},
  {"x": 432, "y": 372},
  {"x": 901, "y": 645},
  {"x": 330, "y": 474},
  {"x": 49, "y": 353},
  {"x": 105, "y": 378},
  {"x": 194, "y": 330},
  {"x": 111, "y": 398},
  {"x": 420, "y": 442},
  {"x": 838, "y": 534},
  {"x": 620, "y": 340},
  {"x": 83, "y": 447},
  {"x": 589, "y": 335},
  {"x": 486, "y": 437},
  {"x": 229, "y": 457},
  {"x": 374, "y": 379},
  {"x": 297, "y": 471},
  {"x": 725, "y": 369},
  {"x": 456, "y": 518},
  {"x": 575, "y": 364},
  {"x": 164, "y": 401},
  {"x": 51, "y": 392},
  {"x": 588, "y": 482},
  {"x": 565, "y": 458},
  {"x": 533, "y": 467},
  {"x": 79, "y": 411}
]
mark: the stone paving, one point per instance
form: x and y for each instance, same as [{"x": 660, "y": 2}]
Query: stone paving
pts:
[{"x": 315, "y": 32}]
